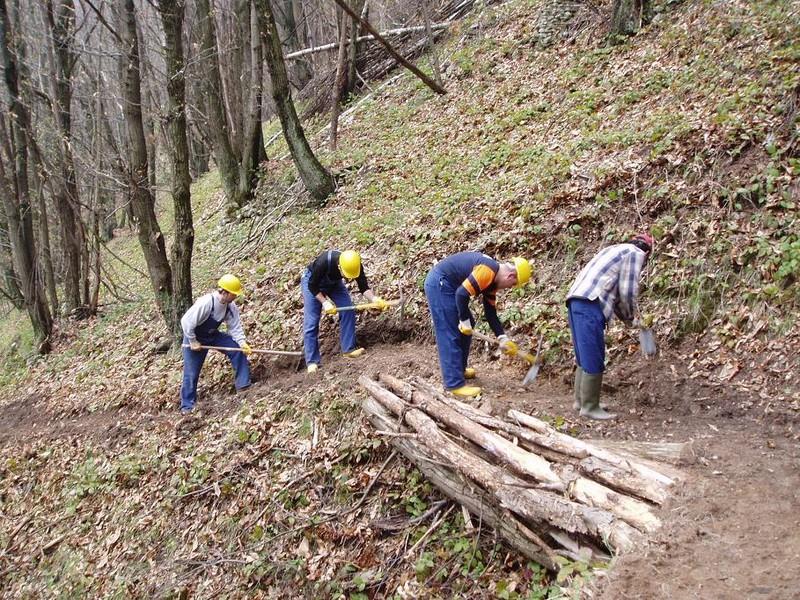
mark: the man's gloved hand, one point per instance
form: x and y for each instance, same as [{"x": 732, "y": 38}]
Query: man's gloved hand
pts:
[
  {"x": 195, "y": 345},
  {"x": 465, "y": 327},
  {"x": 647, "y": 320},
  {"x": 507, "y": 346},
  {"x": 247, "y": 349},
  {"x": 382, "y": 304},
  {"x": 328, "y": 307}
]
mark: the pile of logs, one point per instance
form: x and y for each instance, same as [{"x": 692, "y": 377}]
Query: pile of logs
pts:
[{"x": 546, "y": 493}]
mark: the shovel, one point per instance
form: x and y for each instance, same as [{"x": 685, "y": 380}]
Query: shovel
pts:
[
  {"x": 537, "y": 362},
  {"x": 253, "y": 350},
  {"x": 534, "y": 361}
]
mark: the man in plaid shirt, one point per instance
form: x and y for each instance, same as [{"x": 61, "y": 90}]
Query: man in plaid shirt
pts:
[{"x": 606, "y": 287}]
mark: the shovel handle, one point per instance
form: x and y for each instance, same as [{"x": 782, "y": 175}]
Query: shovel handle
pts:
[
  {"x": 526, "y": 356},
  {"x": 365, "y": 306},
  {"x": 253, "y": 350}
]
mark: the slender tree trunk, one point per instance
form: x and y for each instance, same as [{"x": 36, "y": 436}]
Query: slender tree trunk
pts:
[
  {"x": 300, "y": 69},
  {"x": 44, "y": 242},
  {"x": 352, "y": 50},
  {"x": 61, "y": 21},
  {"x": 10, "y": 282},
  {"x": 172, "y": 16},
  {"x": 339, "y": 78},
  {"x": 227, "y": 161},
  {"x": 424, "y": 78},
  {"x": 434, "y": 57},
  {"x": 17, "y": 206},
  {"x": 318, "y": 181},
  {"x": 142, "y": 199},
  {"x": 252, "y": 150}
]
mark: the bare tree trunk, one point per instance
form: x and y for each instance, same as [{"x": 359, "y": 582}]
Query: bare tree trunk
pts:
[
  {"x": 352, "y": 54},
  {"x": 224, "y": 155},
  {"x": 434, "y": 57},
  {"x": 253, "y": 139},
  {"x": 142, "y": 199},
  {"x": 338, "y": 80},
  {"x": 17, "y": 206},
  {"x": 629, "y": 16},
  {"x": 61, "y": 22},
  {"x": 44, "y": 242},
  {"x": 318, "y": 181},
  {"x": 301, "y": 68},
  {"x": 172, "y": 15},
  {"x": 10, "y": 282}
]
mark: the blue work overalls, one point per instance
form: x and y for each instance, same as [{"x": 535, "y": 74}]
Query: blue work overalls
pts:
[
  {"x": 208, "y": 334},
  {"x": 453, "y": 346},
  {"x": 587, "y": 323},
  {"x": 312, "y": 311}
]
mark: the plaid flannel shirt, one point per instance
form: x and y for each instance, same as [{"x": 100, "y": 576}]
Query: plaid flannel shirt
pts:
[{"x": 612, "y": 278}]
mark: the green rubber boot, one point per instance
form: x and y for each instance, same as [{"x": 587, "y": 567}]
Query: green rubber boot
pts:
[
  {"x": 590, "y": 398},
  {"x": 578, "y": 378}
]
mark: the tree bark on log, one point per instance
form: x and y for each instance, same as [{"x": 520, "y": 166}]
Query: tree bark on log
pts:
[
  {"x": 511, "y": 491},
  {"x": 565, "y": 477},
  {"x": 473, "y": 498},
  {"x": 641, "y": 480}
]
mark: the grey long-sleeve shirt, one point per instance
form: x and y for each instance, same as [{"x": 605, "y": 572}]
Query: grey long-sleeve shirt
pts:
[{"x": 201, "y": 310}]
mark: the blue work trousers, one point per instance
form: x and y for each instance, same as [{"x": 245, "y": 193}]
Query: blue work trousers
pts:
[
  {"x": 193, "y": 361},
  {"x": 453, "y": 346},
  {"x": 312, "y": 311},
  {"x": 587, "y": 323}
]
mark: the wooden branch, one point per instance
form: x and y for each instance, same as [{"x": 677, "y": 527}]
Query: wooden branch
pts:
[
  {"x": 364, "y": 23},
  {"x": 363, "y": 38}
]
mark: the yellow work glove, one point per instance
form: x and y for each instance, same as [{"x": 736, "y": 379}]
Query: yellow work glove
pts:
[
  {"x": 195, "y": 345},
  {"x": 328, "y": 307},
  {"x": 246, "y": 348},
  {"x": 647, "y": 321},
  {"x": 382, "y": 304},
  {"x": 465, "y": 327},
  {"x": 507, "y": 346}
]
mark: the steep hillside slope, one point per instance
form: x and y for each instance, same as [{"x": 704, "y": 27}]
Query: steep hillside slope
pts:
[{"x": 688, "y": 129}]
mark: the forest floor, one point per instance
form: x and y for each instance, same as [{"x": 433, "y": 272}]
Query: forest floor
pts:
[
  {"x": 688, "y": 129},
  {"x": 732, "y": 529}
]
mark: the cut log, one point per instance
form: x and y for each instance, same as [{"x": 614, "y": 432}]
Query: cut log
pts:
[
  {"x": 641, "y": 480},
  {"x": 518, "y": 459},
  {"x": 473, "y": 498},
  {"x": 674, "y": 453},
  {"x": 631, "y": 510},
  {"x": 512, "y": 492}
]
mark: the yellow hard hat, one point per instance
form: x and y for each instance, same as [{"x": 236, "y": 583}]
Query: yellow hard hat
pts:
[
  {"x": 230, "y": 283},
  {"x": 350, "y": 264},
  {"x": 523, "y": 270}
]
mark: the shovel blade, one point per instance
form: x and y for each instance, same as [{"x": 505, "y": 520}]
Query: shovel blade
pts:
[
  {"x": 647, "y": 340},
  {"x": 531, "y": 374}
]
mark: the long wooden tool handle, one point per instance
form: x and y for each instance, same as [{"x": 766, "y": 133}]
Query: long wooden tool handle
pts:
[
  {"x": 526, "y": 356},
  {"x": 254, "y": 350},
  {"x": 362, "y": 306}
]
